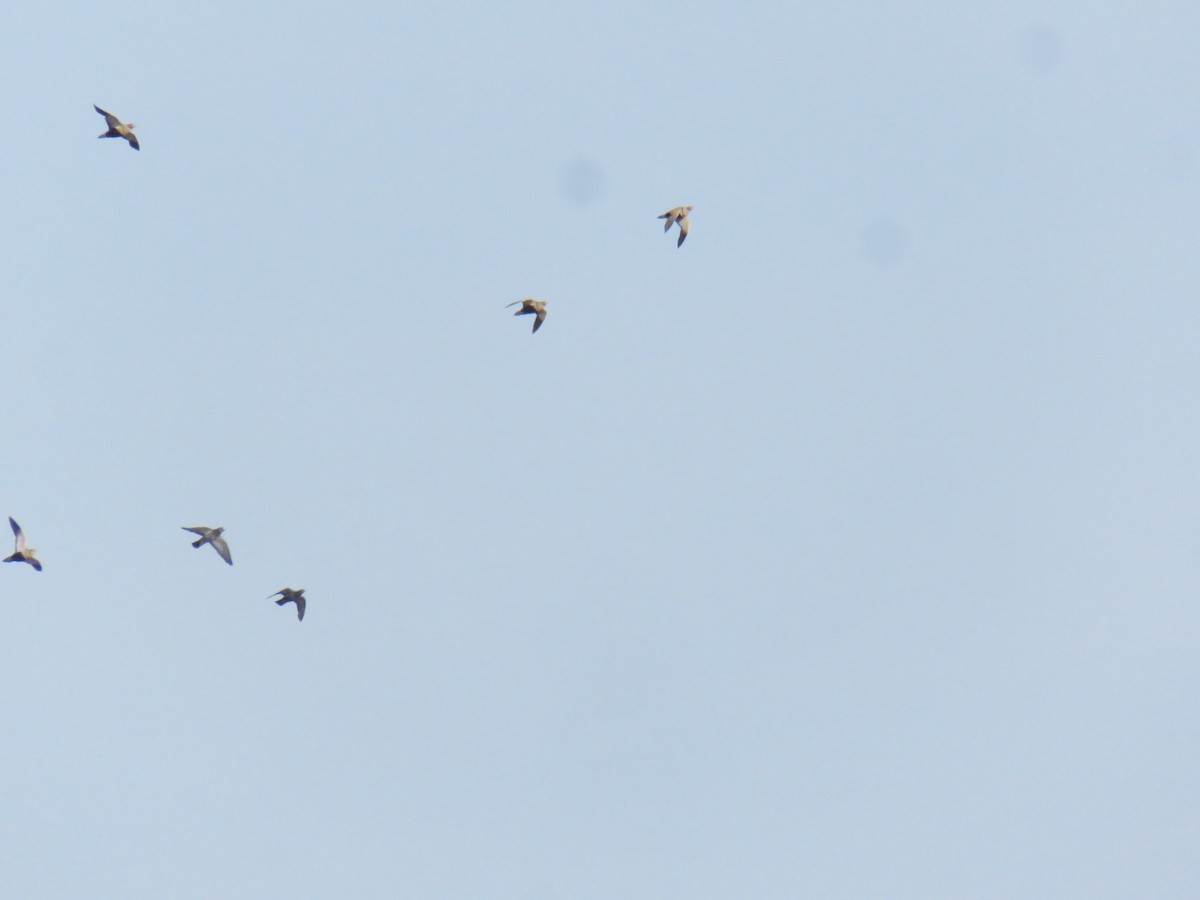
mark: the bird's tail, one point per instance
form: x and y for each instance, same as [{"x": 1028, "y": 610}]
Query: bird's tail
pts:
[
  {"x": 281, "y": 602},
  {"x": 198, "y": 543}
]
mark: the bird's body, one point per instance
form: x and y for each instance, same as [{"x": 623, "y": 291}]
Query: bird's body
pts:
[
  {"x": 22, "y": 553},
  {"x": 679, "y": 214},
  {"x": 211, "y": 536},
  {"x": 529, "y": 306},
  {"x": 117, "y": 128},
  {"x": 291, "y": 595}
]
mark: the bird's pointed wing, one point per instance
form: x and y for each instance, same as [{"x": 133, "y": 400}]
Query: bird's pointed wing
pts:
[
  {"x": 112, "y": 120},
  {"x": 37, "y": 566},
  {"x": 222, "y": 548},
  {"x": 684, "y": 224},
  {"x": 276, "y": 594},
  {"x": 514, "y": 303},
  {"x": 133, "y": 142},
  {"x": 18, "y": 534},
  {"x": 541, "y": 317},
  {"x": 196, "y": 529},
  {"x": 300, "y": 606}
]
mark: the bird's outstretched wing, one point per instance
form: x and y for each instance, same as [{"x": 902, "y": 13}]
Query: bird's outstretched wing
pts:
[
  {"x": 18, "y": 534},
  {"x": 296, "y": 597},
  {"x": 112, "y": 120},
  {"x": 222, "y": 548}
]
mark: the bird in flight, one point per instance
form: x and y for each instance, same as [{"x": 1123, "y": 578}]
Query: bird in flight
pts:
[
  {"x": 678, "y": 214},
  {"x": 21, "y": 553},
  {"x": 211, "y": 536},
  {"x": 117, "y": 128},
  {"x": 528, "y": 306},
  {"x": 291, "y": 595}
]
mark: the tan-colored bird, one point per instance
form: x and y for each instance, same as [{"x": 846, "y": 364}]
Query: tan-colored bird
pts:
[
  {"x": 21, "y": 553},
  {"x": 117, "y": 128},
  {"x": 291, "y": 595},
  {"x": 530, "y": 306},
  {"x": 210, "y": 536},
  {"x": 678, "y": 214}
]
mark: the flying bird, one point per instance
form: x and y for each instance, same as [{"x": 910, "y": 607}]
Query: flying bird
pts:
[
  {"x": 211, "y": 536},
  {"x": 678, "y": 214},
  {"x": 291, "y": 595},
  {"x": 117, "y": 129},
  {"x": 21, "y": 553},
  {"x": 528, "y": 306}
]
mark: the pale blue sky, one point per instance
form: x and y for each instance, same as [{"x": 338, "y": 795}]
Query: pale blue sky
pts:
[{"x": 848, "y": 551}]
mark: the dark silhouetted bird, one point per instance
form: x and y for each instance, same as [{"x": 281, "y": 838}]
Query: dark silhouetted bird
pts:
[
  {"x": 21, "y": 553},
  {"x": 211, "y": 536},
  {"x": 117, "y": 128},
  {"x": 291, "y": 595},
  {"x": 530, "y": 306}
]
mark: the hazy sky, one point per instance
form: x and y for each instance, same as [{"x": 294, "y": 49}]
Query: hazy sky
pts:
[{"x": 848, "y": 551}]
